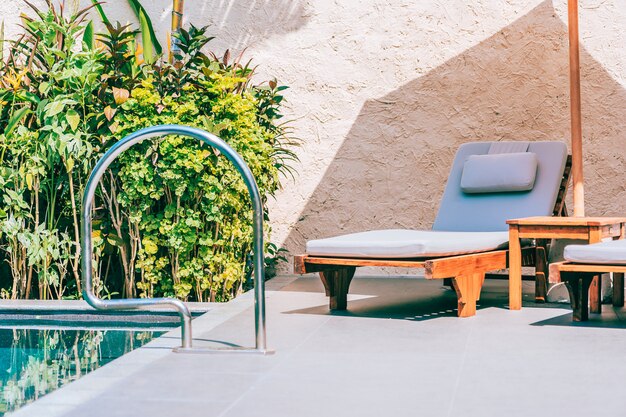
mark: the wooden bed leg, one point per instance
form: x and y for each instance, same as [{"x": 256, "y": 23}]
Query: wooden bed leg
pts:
[
  {"x": 324, "y": 279},
  {"x": 541, "y": 269},
  {"x": 618, "y": 289},
  {"x": 467, "y": 289},
  {"x": 337, "y": 282},
  {"x": 479, "y": 280},
  {"x": 578, "y": 287},
  {"x": 595, "y": 296}
]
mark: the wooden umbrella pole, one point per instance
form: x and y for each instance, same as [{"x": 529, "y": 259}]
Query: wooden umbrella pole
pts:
[
  {"x": 576, "y": 124},
  {"x": 177, "y": 14},
  {"x": 177, "y": 23}
]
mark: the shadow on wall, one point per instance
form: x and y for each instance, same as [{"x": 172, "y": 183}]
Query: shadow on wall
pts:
[
  {"x": 242, "y": 23},
  {"x": 391, "y": 169}
]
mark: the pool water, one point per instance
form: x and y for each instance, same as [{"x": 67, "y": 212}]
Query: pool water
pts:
[{"x": 34, "y": 362}]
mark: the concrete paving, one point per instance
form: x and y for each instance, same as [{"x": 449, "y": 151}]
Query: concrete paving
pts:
[{"x": 399, "y": 350}]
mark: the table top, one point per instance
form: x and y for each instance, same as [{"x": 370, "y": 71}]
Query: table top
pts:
[{"x": 566, "y": 221}]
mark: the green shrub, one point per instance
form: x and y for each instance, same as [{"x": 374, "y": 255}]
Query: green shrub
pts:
[{"x": 173, "y": 217}]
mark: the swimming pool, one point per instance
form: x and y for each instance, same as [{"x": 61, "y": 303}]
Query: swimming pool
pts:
[{"x": 36, "y": 361}]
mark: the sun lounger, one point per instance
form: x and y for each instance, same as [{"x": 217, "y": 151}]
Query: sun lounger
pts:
[
  {"x": 584, "y": 262},
  {"x": 489, "y": 183}
]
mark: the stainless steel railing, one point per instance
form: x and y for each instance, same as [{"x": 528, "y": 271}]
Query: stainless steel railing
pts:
[{"x": 143, "y": 303}]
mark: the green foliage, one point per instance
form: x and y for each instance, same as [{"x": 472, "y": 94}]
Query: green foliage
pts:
[
  {"x": 151, "y": 46},
  {"x": 48, "y": 119},
  {"x": 173, "y": 217},
  {"x": 98, "y": 6},
  {"x": 273, "y": 255}
]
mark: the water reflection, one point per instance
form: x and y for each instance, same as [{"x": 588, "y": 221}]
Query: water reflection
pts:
[{"x": 34, "y": 362}]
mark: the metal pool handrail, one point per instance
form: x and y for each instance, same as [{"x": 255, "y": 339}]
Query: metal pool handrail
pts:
[{"x": 183, "y": 311}]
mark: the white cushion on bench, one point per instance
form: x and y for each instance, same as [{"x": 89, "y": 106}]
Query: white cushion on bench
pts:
[
  {"x": 612, "y": 252},
  {"x": 399, "y": 243}
]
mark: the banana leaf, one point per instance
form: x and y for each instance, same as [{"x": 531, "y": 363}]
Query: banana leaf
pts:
[
  {"x": 103, "y": 16},
  {"x": 151, "y": 46}
]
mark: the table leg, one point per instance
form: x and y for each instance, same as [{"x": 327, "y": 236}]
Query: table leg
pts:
[
  {"x": 541, "y": 271},
  {"x": 515, "y": 269},
  {"x": 618, "y": 289},
  {"x": 595, "y": 290}
]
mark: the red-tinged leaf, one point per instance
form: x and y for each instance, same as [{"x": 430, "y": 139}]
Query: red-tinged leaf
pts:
[
  {"x": 120, "y": 95},
  {"x": 109, "y": 112}
]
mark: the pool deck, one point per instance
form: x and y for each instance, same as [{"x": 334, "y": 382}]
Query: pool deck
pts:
[{"x": 399, "y": 350}]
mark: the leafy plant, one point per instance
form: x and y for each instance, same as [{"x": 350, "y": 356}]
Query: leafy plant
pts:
[
  {"x": 273, "y": 256},
  {"x": 172, "y": 216},
  {"x": 48, "y": 118},
  {"x": 189, "y": 206}
]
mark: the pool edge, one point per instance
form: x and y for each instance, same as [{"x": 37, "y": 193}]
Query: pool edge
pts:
[{"x": 59, "y": 402}]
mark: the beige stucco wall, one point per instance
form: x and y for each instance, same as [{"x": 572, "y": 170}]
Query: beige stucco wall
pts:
[{"x": 383, "y": 91}]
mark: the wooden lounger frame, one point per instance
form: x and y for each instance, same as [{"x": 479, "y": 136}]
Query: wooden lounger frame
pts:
[
  {"x": 467, "y": 272},
  {"x": 577, "y": 278}
]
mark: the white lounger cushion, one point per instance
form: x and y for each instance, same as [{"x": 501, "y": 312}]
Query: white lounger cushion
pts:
[
  {"x": 398, "y": 243},
  {"x": 612, "y": 252}
]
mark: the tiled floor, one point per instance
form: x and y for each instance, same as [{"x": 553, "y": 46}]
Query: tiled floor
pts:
[{"x": 399, "y": 350}]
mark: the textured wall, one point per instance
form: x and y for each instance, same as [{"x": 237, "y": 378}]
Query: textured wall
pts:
[{"x": 383, "y": 91}]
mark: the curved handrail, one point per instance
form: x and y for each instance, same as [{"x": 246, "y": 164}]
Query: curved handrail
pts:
[{"x": 138, "y": 303}]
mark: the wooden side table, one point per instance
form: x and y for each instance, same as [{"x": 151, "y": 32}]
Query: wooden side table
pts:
[{"x": 591, "y": 229}]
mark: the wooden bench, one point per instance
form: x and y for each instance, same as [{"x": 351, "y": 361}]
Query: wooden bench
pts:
[{"x": 578, "y": 277}]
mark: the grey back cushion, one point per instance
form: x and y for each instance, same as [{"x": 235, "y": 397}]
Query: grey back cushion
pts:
[
  {"x": 497, "y": 173},
  {"x": 464, "y": 212}
]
